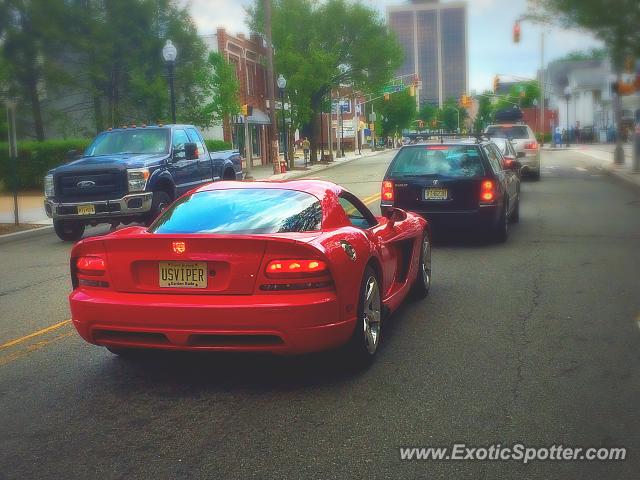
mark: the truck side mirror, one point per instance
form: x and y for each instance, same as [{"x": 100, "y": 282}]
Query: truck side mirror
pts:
[{"x": 191, "y": 151}]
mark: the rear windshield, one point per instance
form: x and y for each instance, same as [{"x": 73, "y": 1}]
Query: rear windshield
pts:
[
  {"x": 515, "y": 131},
  {"x": 457, "y": 161},
  {"x": 242, "y": 211}
]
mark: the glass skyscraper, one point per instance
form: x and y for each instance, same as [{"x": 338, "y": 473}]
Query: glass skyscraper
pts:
[{"x": 433, "y": 36}]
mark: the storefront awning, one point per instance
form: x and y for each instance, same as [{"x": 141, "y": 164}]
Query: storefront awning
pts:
[{"x": 257, "y": 117}]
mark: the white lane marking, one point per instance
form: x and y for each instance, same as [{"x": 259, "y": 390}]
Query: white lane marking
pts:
[{"x": 581, "y": 169}]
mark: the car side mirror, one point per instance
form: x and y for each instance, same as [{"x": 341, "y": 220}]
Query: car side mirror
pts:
[
  {"x": 72, "y": 154},
  {"x": 520, "y": 154},
  {"x": 509, "y": 163},
  {"x": 191, "y": 151},
  {"x": 393, "y": 215}
]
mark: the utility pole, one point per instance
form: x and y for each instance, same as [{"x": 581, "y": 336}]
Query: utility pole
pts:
[
  {"x": 270, "y": 88},
  {"x": 542, "y": 86},
  {"x": 13, "y": 155}
]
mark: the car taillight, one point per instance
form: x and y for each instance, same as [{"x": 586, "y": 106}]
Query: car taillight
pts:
[
  {"x": 314, "y": 272},
  {"x": 487, "y": 191},
  {"x": 387, "y": 191},
  {"x": 85, "y": 270},
  {"x": 277, "y": 268},
  {"x": 531, "y": 146},
  {"x": 91, "y": 265}
]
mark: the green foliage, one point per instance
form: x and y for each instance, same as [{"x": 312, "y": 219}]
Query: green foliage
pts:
[
  {"x": 613, "y": 21},
  {"x": 320, "y": 46},
  {"x": 531, "y": 92},
  {"x": 223, "y": 90},
  {"x": 395, "y": 114},
  {"x": 35, "y": 159},
  {"x": 217, "y": 145},
  {"x": 452, "y": 115},
  {"x": 592, "y": 54},
  {"x": 107, "y": 52},
  {"x": 485, "y": 112},
  {"x": 428, "y": 113}
]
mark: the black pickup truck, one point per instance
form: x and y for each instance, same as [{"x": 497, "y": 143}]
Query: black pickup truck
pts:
[{"x": 130, "y": 175}]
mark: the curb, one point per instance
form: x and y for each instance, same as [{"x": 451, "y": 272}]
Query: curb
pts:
[
  {"x": 611, "y": 170},
  {"x": 33, "y": 233}
]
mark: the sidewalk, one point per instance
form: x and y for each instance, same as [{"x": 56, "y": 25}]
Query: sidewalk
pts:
[
  {"x": 600, "y": 155},
  {"x": 31, "y": 204},
  {"x": 30, "y": 208},
  {"x": 265, "y": 172}
]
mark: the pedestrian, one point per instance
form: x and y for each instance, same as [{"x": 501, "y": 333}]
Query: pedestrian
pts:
[{"x": 306, "y": 147}]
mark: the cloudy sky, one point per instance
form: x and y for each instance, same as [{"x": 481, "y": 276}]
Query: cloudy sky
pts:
[{"x": 491, "y": 49}]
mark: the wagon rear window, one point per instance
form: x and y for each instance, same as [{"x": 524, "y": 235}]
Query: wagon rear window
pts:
[{"x": 242, "y": 211}]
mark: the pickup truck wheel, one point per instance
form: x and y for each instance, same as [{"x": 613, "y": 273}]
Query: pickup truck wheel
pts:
[
  {"x": 68, "y": 231},
  {"x": 161, "y": 200}
]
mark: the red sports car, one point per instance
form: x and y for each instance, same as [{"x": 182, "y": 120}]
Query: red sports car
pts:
[{"x": 283, "y": 267}]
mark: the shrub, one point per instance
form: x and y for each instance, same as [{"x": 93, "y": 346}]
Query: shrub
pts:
[
  {"x": 217, "y": 145},
  {"x": 35, "y": 159}
]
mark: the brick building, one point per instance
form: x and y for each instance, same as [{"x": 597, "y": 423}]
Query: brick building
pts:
[{"x": 247, "y": 55}]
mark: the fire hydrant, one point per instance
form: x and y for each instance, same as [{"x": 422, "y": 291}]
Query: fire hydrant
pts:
[{"x": 283, "y": 166}]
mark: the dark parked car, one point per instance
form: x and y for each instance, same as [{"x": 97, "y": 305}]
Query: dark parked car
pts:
[
  {"x": 456, "y": 184},
  {"x": 132, "y": 174}
]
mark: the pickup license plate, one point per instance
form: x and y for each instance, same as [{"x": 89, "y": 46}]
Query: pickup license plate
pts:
[
  {"x": 183, "y": 275},
  {"x": 86, "y": 209},
  {"x": 435, "y": 194}
]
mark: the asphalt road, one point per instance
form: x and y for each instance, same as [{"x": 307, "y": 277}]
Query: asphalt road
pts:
[{"x": 535, "y": 341}]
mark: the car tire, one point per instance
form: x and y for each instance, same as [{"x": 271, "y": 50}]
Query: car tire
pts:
[
  {"x": 161, "y": 200},
  {"x": 68, "y": 230},
  {"x": 501, "y": 229},
  {"x": 515, "y": 215},
  {"x": 365, "y": 341},
  {"x": 422, "y": 283}
]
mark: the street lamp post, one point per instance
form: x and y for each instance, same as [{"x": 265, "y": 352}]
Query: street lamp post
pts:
[
  {"x": 342, "y": 130},
  {"x": 13, "y": 155},
  {"x": 169, "y": 53},
  {"x": 567, "y": 96},
  {"x": 282, "y": 84}
]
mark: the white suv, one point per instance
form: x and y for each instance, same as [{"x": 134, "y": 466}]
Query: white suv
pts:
[{"x": 524, "y": 141}]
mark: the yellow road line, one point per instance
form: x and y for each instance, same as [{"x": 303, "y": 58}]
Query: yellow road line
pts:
[
  {"x": 34, "y": 334},
  {"x": 31, "y": 348},
  {"x": 371, "y": 199}
]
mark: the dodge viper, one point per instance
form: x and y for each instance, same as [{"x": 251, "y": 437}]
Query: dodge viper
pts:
[{"x": 283, "y": 267}]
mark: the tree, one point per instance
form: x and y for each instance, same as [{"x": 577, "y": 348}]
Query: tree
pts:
[
  {"x": 29, "y": 33},
  {"x": 485, "y": 111},
  {"x": 223, "y": 87},
  {"x": 395, "y": 114},
  {"x": 428, "y": 113},
  {"x": 591, "y": 54},
  {"x": 613, "y": 21},
  {"x": 452, "y": 115},
  {"x": 321, "y": 46}
]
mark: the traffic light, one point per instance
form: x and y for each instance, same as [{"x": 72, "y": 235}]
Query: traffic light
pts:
[
  {"x": 465, "y": 101},
  {"x": 246, "y": 110},
  {"x": 386, "y": 97},
  {"x": 496, "y": 84},
  {"x": 516, "y": 32},
  {"x": 412, "y": 90}
]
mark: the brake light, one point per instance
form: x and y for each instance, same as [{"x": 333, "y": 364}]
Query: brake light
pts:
[
  {"x": 531, "y": 146},
  {"x": 91, "y": 265},
  {"x": 295, "y": 267},
  {"x": 487, "y": 191},
  {"x": 387, "y": 191}
]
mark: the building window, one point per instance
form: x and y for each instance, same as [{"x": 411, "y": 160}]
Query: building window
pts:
[{"x": 255, "y": 140}]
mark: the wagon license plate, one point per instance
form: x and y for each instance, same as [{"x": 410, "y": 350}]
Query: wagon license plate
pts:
[
  {"x": 86, "y": 209},
  {"x": 183, "y": 275},
  {"x": 435, "y": 194}
]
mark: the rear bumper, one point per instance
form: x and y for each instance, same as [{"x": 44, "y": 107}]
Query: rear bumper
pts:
[
  {"x": 484, "y": 216},
  {"x": 129, "y": 205},
  {"x": 283, "y": 324},
  {"x": 530, "y": 162}
]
